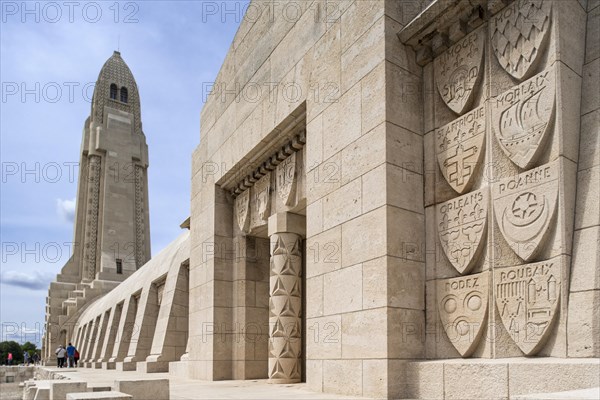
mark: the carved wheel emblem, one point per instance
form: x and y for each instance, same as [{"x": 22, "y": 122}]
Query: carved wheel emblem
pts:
[
  {"x": 524, "y": 207},
  {"x": 519, "y": 34}
]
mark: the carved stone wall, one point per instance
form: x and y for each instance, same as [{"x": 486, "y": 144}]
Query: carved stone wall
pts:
[{"x": 500, "y": 194}]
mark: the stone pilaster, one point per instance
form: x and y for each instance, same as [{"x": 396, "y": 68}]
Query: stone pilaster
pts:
[{"x": 285, "y": 303}]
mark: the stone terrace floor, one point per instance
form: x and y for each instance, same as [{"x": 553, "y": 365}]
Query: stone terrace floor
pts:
[{"x": 182, "y": 388}]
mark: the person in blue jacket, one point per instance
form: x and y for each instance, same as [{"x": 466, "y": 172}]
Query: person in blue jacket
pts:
[{"x": 71, "y": 355}]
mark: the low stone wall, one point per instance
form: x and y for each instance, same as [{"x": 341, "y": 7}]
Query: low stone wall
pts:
[
  {"x": 16, "y": 373},
  {"x": 495, "y": 379},
  {"x": 45, "y": 383},
  {"x": 44, "y": 374}
]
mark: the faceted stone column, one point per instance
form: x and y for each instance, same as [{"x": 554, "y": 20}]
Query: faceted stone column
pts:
[{"x": 285, "y": 304}]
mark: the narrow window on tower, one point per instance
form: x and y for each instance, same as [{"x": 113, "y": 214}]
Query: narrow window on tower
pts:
[
  {"x": 113, "y": 91},
  {"x": 124, "y": 94},
  {"x": 119, "y": 266}
]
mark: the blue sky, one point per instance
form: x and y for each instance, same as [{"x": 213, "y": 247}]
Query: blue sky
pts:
[{"x": 51, "y": 54}]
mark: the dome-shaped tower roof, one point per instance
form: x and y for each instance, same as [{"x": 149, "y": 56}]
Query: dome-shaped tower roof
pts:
[{"x": 116, "y": 88}]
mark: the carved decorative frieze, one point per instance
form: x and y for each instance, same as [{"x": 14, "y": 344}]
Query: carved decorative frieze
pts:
[
  {"x": 294, "y": 145},
  {"x": 527, "y": 297},
  {"x": 463, "y": 309},
  {"x": 285, "y": 308},
  {"x": 459, "y": 148},
  {"x": 462, "y": 227},
  {"x": 523, "y": 116},
  {"x": 519, "y": 33},
  {"x": 459, "y": 71},
  {"x": 286, "y": 180},
  {"x": 91, "y": 229},
  {"x": 140, "y": 220},
  {"x": 242, "y": 210},
  {"x": 525, "y": 206}
]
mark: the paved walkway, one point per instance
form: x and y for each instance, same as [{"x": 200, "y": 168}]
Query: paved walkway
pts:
[{"x": 182, "y": 388}]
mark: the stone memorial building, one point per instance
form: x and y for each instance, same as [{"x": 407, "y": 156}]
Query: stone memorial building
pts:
[{"x": 391, "y": 199}]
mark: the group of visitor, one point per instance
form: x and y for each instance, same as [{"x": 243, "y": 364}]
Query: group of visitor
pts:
[
  {"x": 27, "y": 359},
  {"x": 69, "y": 355}
]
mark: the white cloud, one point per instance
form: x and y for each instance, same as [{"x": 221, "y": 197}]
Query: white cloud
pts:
[
  {"x": 34, "y": 280},
  {"x": 21, "y": 333},
  {"x": 66, "y": 209}
]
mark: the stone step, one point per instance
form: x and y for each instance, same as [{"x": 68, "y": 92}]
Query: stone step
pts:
[
  {"x": 112, "y": 395},
  {"x": 81, "y": 286},
  {"x": 76, "y": 293}
]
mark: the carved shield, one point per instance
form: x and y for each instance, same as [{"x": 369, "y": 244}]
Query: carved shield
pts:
[
  {"x": 242, "y": 210},
  {"x": 524, "y": 207},
  {"x": 286, "y": 180},
  {"x": 262, "y": 198},
  {"x": 462, "y": 223},
  {"x": 527, "y": 297},
  {"x": 458, "y": 71},
  {"x": 523, "y": 117},
  {"x": 459, "y": 147},
  {"x": 519, "y": 34},
  {"x": 463, "y": 307}
]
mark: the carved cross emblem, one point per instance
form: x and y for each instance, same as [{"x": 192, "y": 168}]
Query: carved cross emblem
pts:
[{"x": 460, "y": 148}]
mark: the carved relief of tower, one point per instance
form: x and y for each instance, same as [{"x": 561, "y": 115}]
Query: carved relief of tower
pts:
[{"x": 112, "y": 221}]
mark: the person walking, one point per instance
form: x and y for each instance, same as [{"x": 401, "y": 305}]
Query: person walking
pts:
[
  {"x": 76, "y": 358},
  {"x": 10, "y": 358},
  {"x": 60, "y": 356},
  {"x": 26, "y": 358},
  {"x": 71, "y": 355},
  {"x": 35, "y": 358}
]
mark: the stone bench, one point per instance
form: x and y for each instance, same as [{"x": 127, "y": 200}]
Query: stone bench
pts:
[
  {"x": 39, "y": 391},
  {"x": 99, "y": 388},
  {"x": 99, "y": 395},
  {"x": 52, "y": 390},
  {"x": 143, "y": 389},
  {"x": 59, "y": 390}
]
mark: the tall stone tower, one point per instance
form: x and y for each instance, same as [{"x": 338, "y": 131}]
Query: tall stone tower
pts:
[
  {"x": 112, "y": 221},
  {"x": 112, "y": 230}
]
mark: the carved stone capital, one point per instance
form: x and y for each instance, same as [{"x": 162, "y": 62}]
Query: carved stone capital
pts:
[{"x": 286, "y": 222}]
